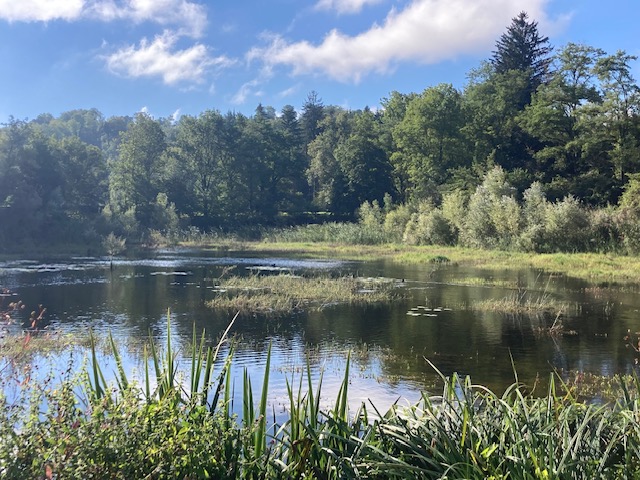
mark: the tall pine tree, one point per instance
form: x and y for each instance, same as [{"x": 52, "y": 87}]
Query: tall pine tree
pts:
[{"x": 522, "y": 48}]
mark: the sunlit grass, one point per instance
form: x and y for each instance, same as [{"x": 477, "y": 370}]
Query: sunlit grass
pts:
[
  {"x": 485, "y": 282},
  {"x": 280, "y": 294},
  {"x": 522, "y": 303},
  {"x": 591, "y": 266},
  {"x": 20, "y": 347}
]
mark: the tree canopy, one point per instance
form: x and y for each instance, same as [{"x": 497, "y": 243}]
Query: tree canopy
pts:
[{"x": 573, "y": 129}]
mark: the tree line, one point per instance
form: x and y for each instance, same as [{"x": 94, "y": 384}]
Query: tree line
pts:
[{"x": 566, "y": 120}]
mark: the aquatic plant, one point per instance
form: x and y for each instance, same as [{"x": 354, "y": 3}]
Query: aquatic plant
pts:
[
  {"x": 285, "y": 293},
  {"x": 168, "y": 429}
]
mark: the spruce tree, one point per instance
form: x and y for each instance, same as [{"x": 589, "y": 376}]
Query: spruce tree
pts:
[{"x": 522, "y": 48}]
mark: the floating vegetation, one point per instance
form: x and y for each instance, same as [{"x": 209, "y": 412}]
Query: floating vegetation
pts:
[
  {"x": 281, "y": 294},
  {"x": 522, "y": 303}
]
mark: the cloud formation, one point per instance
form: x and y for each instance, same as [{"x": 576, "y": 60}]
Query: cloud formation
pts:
[
  {"x": 425, "y": 31},
  {"x": 345, "y": 6},
  {"x": 161, "y": 58},
  {"x": 192, "y": 17},
  {"x": 189, "y": 16},
  {"x": 40, "y": 10}
]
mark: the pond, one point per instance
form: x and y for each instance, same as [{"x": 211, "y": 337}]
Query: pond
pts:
[{"x": 389, "y": 343}]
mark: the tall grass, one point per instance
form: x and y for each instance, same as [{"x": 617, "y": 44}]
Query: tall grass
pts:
[
  {"x": 168, "y": 429},
  {"x": 332, "y": 232},
  {"x": 284, "y": 293}
]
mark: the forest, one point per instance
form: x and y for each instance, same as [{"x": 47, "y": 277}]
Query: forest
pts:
[{"x": 540, "y": 151}]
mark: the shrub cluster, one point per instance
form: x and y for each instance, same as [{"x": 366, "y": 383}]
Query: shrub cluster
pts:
[{"x": 492, "y": 217}]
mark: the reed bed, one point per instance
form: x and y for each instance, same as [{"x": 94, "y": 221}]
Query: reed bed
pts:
[
  {"x": 601, "y": 267},
  {"x": 518, "y": 303},
  {"x": 284, "y": 293},
  {"x": 163, "y": 428}
]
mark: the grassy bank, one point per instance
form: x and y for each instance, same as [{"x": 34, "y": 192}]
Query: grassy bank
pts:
[
  {"x": 167, "y": 428},
  {"x": 589, "y": 266}
]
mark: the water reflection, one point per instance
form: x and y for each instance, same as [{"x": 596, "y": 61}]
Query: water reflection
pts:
[{"x": 388, "y": 345}]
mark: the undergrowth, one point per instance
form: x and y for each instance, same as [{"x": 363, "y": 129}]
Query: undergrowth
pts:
[{"x": 163, "y": 428}]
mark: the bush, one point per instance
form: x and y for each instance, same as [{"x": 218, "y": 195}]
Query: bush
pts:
[
  {"x": 606, "y": 234},
  {"x": 395, "y": 222},
  {"x": 628, "y": 217},
  {"x": 493, "y": 216},
  {"x": 454, "y": 209},
  {"x": 566, "y": 226},
  {"x": 534, "y": 208},
  {"x": 429, "y": 227}
]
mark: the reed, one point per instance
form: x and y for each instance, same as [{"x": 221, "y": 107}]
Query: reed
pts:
[
  {"x": 280, "y": 294},
  {"x": 466, "y": 431}
]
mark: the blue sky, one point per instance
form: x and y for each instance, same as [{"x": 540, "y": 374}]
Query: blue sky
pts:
[{"x": 173, "y": 57}]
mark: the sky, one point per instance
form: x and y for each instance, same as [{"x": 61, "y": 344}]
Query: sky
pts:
[{"x": 183, "y": 57}]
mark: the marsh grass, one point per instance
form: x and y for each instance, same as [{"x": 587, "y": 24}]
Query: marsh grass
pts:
[
  {"x": 522, "y": 303},
  {"x": 485, "y": 282},
  {"x": 20, "y": 348},
  {"x": 284, "y": 293},
  {"x": 610, "y": 268},
  {"x": 527, "y": 302}
]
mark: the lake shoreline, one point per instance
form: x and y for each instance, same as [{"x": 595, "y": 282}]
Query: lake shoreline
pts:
[
  {"x": 595, "y": 267},
  {"x": 604, "y": 268}
]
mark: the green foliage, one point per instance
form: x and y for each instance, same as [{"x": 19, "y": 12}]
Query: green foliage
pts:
[
  {"x": 370, "y": 215},
  {"x": 113, "y": 244},
  {"x": 395, "y": 222},
  {"x": 575, "y": 129},
  {"x": 428, "y": 226},
  {"x": 429, "y": 141},
  {"x": 466, "y": 431},
  {"x": 522, "y": 48},
  {"x": 492, "y": 218},
  {"x": 628, "y": 217},
  {"x": 333, "y": 232},
  {"x": 566, "y": 226}
]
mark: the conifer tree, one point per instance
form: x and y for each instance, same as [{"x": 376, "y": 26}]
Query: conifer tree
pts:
[{"x": 522, "y": 48}]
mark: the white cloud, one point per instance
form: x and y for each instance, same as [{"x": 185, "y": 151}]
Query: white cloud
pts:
[
  {"x": 426, "y": 31},
  {"x": 246, "y": 90},
  {"x": 40, "y": 10},
  {"x": 345, "y": 6},
  {"x": 161, "y": 58},
  {"x": 289, "y": 91},
  {"x": 190, "y": 17}
]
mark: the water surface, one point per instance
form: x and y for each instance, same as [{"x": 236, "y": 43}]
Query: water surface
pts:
[{"x": 388, "y": 342}]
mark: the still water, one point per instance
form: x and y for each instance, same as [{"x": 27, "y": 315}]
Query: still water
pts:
[{"x": 388, "y": 342}]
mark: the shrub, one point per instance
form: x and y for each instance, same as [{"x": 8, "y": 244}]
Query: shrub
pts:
[
  {"x": 395, "y": 222},
  {"x": 606, "y": 234},
  {"x": 429, "y": 227},
  {"x": 370, "y": 214},
  {"x": 566, "y": 226},
  {"x": 492, "y": 218},
  {"x": 628, "y": 217},
  {"x": 453, "y": 208},
  {"x": 534, "y": 207}
]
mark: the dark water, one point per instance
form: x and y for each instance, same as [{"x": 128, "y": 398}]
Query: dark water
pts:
[{"x": 388, "y": 345}]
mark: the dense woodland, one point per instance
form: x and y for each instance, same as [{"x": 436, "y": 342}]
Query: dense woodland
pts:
[{"x": 539, "y": 151}]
